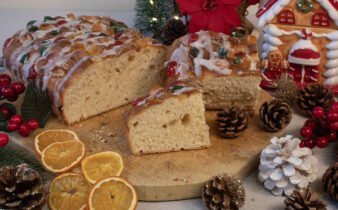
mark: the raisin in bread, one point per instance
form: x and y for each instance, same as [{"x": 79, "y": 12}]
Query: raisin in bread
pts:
[
  {"x": 226, "y": 69},
  {"x": 169, "y": 119},
  {"x": 87, "y": 65}
]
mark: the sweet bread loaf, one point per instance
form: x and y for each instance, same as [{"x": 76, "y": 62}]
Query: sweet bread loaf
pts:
[
  {"x": 226, "y": 69},
  {"x": 87, "y": 64},
  {"x": 169, "y": 119}
]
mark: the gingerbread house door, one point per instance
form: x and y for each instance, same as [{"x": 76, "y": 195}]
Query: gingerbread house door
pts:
[{"x": 304, "y": 59}]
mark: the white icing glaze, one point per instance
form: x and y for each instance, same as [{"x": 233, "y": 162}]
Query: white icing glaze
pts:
[
  {"x": 202, "y": 44},
  {"x": 183, "y": 90}
]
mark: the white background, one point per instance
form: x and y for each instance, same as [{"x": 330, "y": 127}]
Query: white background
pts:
[{"x": 107, "y": 5}]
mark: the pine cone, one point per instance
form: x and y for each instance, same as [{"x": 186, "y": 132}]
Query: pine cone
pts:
[
  {"x": 21, "y": 188},
  {"x": 330, "y": 181},
  {"x": 313, "y": 95},
  {"x": 232, "y": 122},
  {"x": 304, "y": 199},
  {"x": 275, "y": 115},
  {"x": 223, "y": 192},
  {"x": 284, "y": 166},
  {"x": 173, "y": 29}
]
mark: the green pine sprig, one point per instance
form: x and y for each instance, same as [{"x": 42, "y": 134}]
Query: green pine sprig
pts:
[{"x": 11, "y": 157}]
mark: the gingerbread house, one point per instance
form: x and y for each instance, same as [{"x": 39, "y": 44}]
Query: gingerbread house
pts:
[{"x": 300, "y": 37}]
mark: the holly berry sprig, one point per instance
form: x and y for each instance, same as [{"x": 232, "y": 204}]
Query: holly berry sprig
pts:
[
  {"x": 14, "y": 122},
  {"x": 321, "y": 129},
  {"x": 8, "y": 90}
]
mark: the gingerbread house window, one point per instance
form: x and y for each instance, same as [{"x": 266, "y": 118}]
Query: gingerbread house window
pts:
[
  {"x": 287, "y": 16},
  {"x": 320, "y": 18}
]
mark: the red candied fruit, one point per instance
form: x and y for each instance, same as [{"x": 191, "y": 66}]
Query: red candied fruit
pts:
[
  {"x": 171, "y": 68},
  {"x": 137, "y": 101},
  {"x": 8, "y": 42},
  {"x": 192, "y": 38},
  {"x": 61, "y": 22}
]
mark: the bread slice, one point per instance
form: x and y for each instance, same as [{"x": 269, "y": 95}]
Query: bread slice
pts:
[
  {"x": 111, "y": 83},
  {"x": 226, "y": 69},
  {"x": 87, "y": 65},
  {"x": 168, "y": 120}
]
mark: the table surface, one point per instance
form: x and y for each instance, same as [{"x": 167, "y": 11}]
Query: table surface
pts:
[{"x": 11, "y": 20}]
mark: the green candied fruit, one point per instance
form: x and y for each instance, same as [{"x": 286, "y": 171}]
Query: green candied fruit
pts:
[
  {"x": 237, "y": 60},
  {"x": 222, "y": 52},
  {"x": 176, "y": 87},
  {"x": 48, "y": 18},
  {"x": 194, "y": 52}
]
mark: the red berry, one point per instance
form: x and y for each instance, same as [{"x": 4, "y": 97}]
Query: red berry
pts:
[
  {"x": 118, "y": 43},
  {"x": 16, "y": 118},
  {"x": 171, "y": 68},
  {"x": 322, "y": 142},
  {"x": 18, "y": 87},
  {"x": 331, "y": 136},
  {"x": 12, "y": 98},
  {"x": 5, "y": 80},
  {"x": 332, "y": 116},
  {"x": 312, "y": 124},
  {"x": 306, "y": 131},
  {"x": 301, "y": 144},
  {"x": 24, "y": 129},
  {"x": 334, "y": 106},
  {"x": 318, "y": 112},
  {"x": 310, "y": 143},
  {"x": 7, "y": 42},
  {"x": 137, "y": 101},
  {"x": 192, "y": 38},
  {"x": 333, "y": 126},
  {"x": 7, "y": 92},
  {"x": 33, "y": 124},
  {"x": 323, "y": 124},
  {"x": 13, "y": 126},
  {"x": 6, "y": 111},
  {"x": 3, "y": 139}
]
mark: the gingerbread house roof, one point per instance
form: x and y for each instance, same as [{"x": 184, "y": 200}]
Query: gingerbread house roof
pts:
[{"x": 271, "y": 8}]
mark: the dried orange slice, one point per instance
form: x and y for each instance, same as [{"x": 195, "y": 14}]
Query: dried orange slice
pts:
[
  {"x": 62, "y": 156},
  {"x": 112, "y": 193},
  {"x": 102, "y": 165},
  {"x": 68, "y": 191},
  {"x": 48, "y": 137}
]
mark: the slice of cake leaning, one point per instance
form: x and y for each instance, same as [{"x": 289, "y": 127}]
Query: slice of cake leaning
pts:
[
  {"x": 226, "y": 69},
  {"x": 169, "y": 119}
]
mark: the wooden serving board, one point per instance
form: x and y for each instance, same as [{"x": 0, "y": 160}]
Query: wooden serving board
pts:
[{"x": 175, "y": 175}]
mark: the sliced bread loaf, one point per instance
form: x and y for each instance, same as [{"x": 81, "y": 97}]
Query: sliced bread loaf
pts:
[
  {"x": 169, "y": 119},
  {"x": 87, "y": 65}
]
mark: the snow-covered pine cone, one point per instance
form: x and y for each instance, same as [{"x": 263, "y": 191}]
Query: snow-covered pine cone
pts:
[{"x": 284, "y": 166}]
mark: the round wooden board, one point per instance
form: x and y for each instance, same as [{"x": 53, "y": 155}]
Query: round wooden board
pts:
[{"x": 175, "y": 175}]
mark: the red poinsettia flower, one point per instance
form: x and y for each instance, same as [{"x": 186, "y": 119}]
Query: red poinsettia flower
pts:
[
  {"x": 252, "y": 2},
  {"x": 213, "y": 15}
]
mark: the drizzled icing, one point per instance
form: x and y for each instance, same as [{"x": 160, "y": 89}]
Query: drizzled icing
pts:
[
  {"x": 73, "y": 41},
  {"x": 207, "y": 57},
  {"x": 272, "y": 41},
  {"x": 158, "y": 92}
]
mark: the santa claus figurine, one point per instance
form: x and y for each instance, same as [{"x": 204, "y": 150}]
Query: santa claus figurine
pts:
[{"x": 273, "y": 67}]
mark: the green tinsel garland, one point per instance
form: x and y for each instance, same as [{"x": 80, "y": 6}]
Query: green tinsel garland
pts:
[{"x": 151, "y": 15}]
